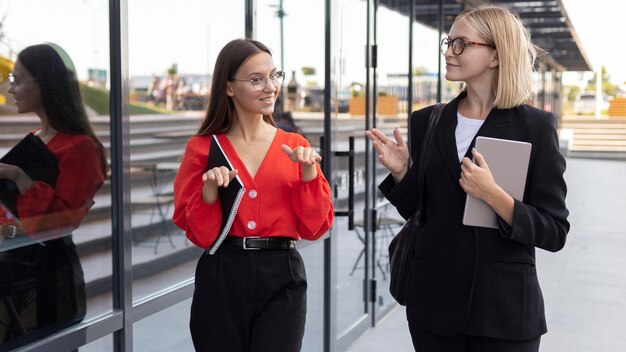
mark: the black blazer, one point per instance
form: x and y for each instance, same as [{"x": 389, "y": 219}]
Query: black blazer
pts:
[{"x": 474, "y": 280}]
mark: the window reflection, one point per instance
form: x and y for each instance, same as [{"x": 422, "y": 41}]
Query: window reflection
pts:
[{"x": 48, "y": 183}]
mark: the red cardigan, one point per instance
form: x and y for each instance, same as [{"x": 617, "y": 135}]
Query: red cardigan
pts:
[
  {"x": 277, "y": 202},
  {"x": 44, "y": 208}
]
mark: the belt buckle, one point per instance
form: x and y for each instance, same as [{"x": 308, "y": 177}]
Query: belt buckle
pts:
[
  {"x": 9, "y": 231},
  {"x": 245, "y": 247}
]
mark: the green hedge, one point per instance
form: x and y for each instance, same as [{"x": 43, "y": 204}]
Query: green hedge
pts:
[{"x": 98, "y": 100}]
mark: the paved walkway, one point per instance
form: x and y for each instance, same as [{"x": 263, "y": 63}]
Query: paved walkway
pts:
[{"x": 584, "y": 285}]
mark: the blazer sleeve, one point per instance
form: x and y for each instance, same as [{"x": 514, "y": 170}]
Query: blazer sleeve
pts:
[
  {"x": 541, "y": 219},
  {"x": 403, "y": 195},
  {"x": 200, "y": 221}
]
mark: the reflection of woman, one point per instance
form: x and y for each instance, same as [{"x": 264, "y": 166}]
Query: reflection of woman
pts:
[
  {"x": 474, "y": 288},
  {"x": 43, "y": 82},
  {"x": 250, "y": 300}
]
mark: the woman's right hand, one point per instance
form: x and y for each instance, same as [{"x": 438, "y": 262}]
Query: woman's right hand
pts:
[
  {"x": 213, "y": 179},
  {"x": 394, "y": 155}
]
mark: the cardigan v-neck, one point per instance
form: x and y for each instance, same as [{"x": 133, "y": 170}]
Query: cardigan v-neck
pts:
[
  {"x": 277, "y": 202},
  {"x": 236, "y": 159}
]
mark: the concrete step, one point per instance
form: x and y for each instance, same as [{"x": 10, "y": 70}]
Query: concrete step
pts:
[
  {"x": 598, "y": 148},
  {"x": 596, "y": 138}
]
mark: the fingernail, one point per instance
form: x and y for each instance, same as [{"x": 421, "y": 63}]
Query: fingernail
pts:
[{"x": 474, "y": 150}]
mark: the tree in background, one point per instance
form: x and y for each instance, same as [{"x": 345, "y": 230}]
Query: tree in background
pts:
[
  {"x": 309, "y": 71},
  {"x": 608, "y": 88},
  {"x": 570, "y": 92},
  {"x": 420, "y": 71}
]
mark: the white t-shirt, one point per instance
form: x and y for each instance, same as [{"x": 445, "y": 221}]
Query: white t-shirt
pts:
[{"x": 466, "y": 129}]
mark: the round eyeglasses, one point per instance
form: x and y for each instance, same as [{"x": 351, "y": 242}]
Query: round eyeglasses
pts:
[
  {"x": 277, "y": 78},
  {"x": 458, "y": 45},
  {"x": 15, "y": 83}
]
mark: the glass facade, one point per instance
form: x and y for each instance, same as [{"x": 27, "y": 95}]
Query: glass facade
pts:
[
  {"x": 55, "y": 256},
  {"x": 89, "y": 256}
]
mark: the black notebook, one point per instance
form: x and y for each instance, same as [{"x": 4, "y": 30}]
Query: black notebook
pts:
[
  {"x": 230, "y": 197},
  {"x": 33, "y": 156}
]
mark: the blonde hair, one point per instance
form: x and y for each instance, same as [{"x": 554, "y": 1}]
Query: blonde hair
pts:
[{"x": 502, "y": 28}]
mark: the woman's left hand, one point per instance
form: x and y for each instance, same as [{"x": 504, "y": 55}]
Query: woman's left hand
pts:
[
  {"x": 476, "y": 178},
  {"x": 304, "y": 155},
  {"x": 307, "y": 157}
]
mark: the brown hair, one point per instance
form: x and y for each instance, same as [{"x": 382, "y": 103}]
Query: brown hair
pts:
[
  {"x": 219, "y": 117},
  {"x": 54, "y": 72}
]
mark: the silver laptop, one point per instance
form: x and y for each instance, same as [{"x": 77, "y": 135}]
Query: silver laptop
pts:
[{"x": 508, "y": 161}]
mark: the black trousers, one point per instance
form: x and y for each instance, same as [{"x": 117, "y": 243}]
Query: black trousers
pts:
[
  {"x": 424, "y": 341},
  {"x": 249, "y": 301}
]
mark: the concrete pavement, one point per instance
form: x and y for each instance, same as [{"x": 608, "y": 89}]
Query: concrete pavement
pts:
[{"x": 584, "y": 285}]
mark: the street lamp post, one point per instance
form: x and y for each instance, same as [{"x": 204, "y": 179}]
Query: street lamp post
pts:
[{"x": 280, "y": 13}]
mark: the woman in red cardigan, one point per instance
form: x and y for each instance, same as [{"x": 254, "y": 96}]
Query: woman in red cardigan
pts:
[
  {"x": 43, "y": 82},
  {"x": 250, "y": 300}
]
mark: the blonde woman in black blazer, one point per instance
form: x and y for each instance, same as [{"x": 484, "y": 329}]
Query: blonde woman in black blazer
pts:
[{"x": 474, "y": 288}]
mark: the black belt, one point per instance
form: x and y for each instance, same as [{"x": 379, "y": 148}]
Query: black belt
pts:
[{"x": 258, "y": 243}]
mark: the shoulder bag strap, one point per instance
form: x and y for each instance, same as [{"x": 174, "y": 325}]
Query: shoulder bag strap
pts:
[{"x": 433, "y": 120}]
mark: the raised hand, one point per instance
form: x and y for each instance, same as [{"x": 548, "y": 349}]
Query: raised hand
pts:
[
  {"x": 306, "y": 156},
  {"x": 392, "y": 153}
]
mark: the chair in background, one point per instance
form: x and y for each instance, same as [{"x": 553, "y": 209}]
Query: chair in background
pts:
[
  {"x": 386, "y": 227},
  {"x": 160, "y": 199}
]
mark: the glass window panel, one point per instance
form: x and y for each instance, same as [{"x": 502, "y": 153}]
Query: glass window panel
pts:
[
  {"x": 172, "y": 51},
  {"x": 426, "y": 55},
  {"x": 313, "y": 255},
  {"x": 349, "y": 79},
  {"x": 392, "y": 73},
  {"x": 55, "y": 253},
  {"x": 103, "y": 344},
  {"x": 172, "y": 322}
]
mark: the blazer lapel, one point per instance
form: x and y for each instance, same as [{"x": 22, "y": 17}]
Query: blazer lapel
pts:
[{"x": 494, "y": 126}]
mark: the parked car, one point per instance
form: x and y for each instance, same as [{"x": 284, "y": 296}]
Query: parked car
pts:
[
  {"x": 585, "y": 103},
  {"x": 314, "y": 100}
]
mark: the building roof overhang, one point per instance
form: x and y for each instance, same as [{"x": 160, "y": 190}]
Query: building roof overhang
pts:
[{"x": 548, "y": 23}]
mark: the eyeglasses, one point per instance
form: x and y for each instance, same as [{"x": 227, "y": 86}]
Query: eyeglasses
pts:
[
  {"x": 277, "y": 78},
  {"x": 15, "y": 83},
  {"x": 458, "y": 45}
]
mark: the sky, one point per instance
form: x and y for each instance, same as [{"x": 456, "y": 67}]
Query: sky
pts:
[
  {"x": 163, "y": 32},
  {"x": 599, "y": 24}
]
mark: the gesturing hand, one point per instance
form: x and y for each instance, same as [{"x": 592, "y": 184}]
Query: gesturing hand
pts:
[
  {"x": 394, "y": 155},
  {"x": 304, "y": 155},
  {"x": 307, "y": 157}
]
